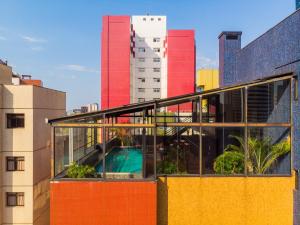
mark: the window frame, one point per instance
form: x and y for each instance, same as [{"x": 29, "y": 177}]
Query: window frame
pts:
[
  {"x": 9, "y": 124},
  {"x": 156, "y": 90},
  {"x": 156, "y": 59},
  {"x": 16, "y": 195},
  {"x": 15, "y": 160},
  {"x": 141, "y": 90}
]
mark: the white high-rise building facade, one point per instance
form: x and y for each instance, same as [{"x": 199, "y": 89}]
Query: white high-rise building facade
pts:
[{"x": 148, "y": 72}]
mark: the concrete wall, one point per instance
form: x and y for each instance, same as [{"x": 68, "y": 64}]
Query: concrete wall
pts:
[
  {"x": 225, "y": 201},
  {"x": 33, "y": 142},
  {"x": 5, "y": 74},
  {"x": 47, "y": 103},
  {"x": 103, "y": 203}
]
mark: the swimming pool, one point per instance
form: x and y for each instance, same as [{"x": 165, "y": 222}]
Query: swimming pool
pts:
[{"x": 122, "y": 160}]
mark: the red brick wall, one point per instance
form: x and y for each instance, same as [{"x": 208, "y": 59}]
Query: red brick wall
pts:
[{"x": 103, "y": 203}]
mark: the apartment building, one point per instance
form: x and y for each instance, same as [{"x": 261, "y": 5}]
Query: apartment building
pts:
[
  {"x": 25, "y": 147},
  {"x": 148, "y": 73},
  {"x": 141, "y": 60}
]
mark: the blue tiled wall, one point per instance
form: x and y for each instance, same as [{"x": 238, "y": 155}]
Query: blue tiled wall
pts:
[
  {"x": 266, "y": 56},
  {"x": 275, "y": 52}
]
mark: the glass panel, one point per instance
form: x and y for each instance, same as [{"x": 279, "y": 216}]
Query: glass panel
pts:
[
  {"x": 61, "y": 149},
  {"x": 270, "y": 103},
  {"x": 128, "y": 154},
  {"x": 269, "y": 150},
  {"x": 178, "y": 151},
  {"x": 221, "y": 150},
  {"x": 223, "y": 107},
  {"x": 185, "y": 112}
]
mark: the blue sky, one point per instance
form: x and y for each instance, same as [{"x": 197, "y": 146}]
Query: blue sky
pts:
[{"x": 58, "y": 41}]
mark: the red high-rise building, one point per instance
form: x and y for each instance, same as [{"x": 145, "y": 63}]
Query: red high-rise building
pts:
[
  {"x": 115, "y": 61},
  {"x": 181, "y": 64}
]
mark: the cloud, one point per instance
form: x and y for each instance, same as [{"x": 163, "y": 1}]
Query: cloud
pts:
[
  {"x": 37, "y": 48},
  {"x": 79, "y": 68},
  {"x": 206, "y": 62},
  {"x": 33, "y": 39},
  {"x": 2, "y": 38}
]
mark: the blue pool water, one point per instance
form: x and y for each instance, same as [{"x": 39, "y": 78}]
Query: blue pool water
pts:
[{"x": 123, "y": 160}]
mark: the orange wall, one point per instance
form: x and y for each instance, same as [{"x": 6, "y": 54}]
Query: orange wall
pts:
[{"x": 103, "y": 203}]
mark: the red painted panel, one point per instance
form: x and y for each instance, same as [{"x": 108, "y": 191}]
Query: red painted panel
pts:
[
  {"x": 103, "y": 203},
  {"x": 115, "y": 61},
  {"x": 32, "y": 82},
  {"x": 181, "y": 64}
]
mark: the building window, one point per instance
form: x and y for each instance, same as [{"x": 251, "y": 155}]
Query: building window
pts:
[
  {"x": 142, "y": 50},
  {"x": 231, "y": 37},
  {"x": 15, "y": 163},
  {"x": 157, "y": 90},
  {"x": 144, "y": 19},
  {"x": 15, "y": 120},
  {"x": 200, "y": 88},
  {"x": 156, "y": 59},
  {"x": 141, "y": 69},
  {"x": 141, "y": 90},
  {"x": 152, "y": 19},
  {"x": 156, "y": 80},
  {"x": 156, "y": 99},
  {"x": 156, "y": 39},
  {"x": 156, "y": 69},
  {"x": 141, "y": 39},
  {"x": 15, "y": 198},
  {"x": 141, "y": 100},
  {"x": 141, "y": 59},
  {"x": 142, "y": 79},
  {"x": 159, "y": 19},
  {"x": 156, "y": 49}
]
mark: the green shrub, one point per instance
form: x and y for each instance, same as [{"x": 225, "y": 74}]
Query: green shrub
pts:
[
  {"x": 230, "y": 162},
  {"x": 166, "y": 167},
  {"x": 80, "y": 171},
  {"x": 262, "y": 155}
]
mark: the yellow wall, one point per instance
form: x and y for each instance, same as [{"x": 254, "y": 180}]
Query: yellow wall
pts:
[
  {"x": 225, "y": 201},
  {"x": 209, "y": 78}
]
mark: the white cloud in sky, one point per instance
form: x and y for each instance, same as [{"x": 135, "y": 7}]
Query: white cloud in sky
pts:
[
  {"x": 30, "y": 39},
  {"x": 2, "y": 38},
  {"x": 206, "y": 62},
  {"x": 79, "y": 68}
]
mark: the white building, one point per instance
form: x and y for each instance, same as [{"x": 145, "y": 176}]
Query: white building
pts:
[{"x": 148, "y": 76}]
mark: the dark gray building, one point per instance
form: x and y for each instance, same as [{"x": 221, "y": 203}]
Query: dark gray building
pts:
[{"x": 275, "y": 52}]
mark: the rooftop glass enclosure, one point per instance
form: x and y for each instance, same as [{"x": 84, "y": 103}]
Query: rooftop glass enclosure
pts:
[{"x": 242, "y": 130}]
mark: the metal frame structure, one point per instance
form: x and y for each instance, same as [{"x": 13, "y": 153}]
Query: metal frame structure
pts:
[{"x": 87, "y": 120}]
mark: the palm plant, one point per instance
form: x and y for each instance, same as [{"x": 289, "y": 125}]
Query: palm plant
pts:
[
  {"x": 123, "y": 134},
  {"x": 262, "y": 154}
]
